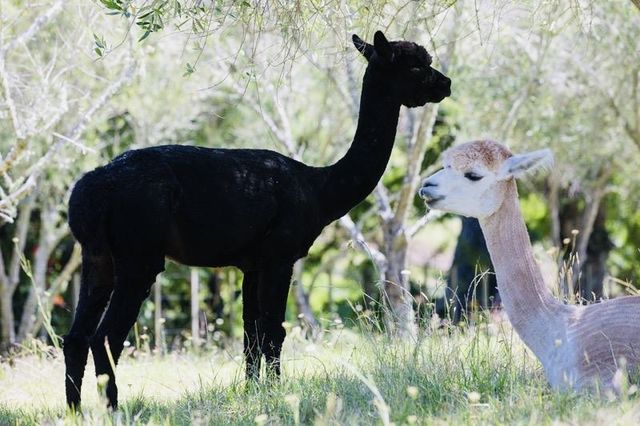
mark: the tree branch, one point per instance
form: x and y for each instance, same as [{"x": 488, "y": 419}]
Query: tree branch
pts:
[
  {"x": 20, "y": 240},
  {"x": 512, "y": 116},
  {"x": 421, "y": 136},
  {"x": 39, "y": 274},
  {"x": 629, "y": 130},
  {"x": 635, "y": 81},
  {"x": 286, "y": 126},
  {"x": 422, "y": 221},
  {"x": 13, "y": 112},
  {"x": 35, "y": 27},
  {"x": 588, "y": 220},
  {"x": 284, "y": 139},
  {"x": 125, "y": 77},
  {"x": 59, "y": 284},
  {"x": 8, "y": 203},
  {"x": 382, "y": 199},
  {"x": 554, "y": 208},
  {"x": 378, "y": 258}
]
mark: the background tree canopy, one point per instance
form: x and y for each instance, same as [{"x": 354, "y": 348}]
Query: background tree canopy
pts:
[{"x": 82, "y": 82}]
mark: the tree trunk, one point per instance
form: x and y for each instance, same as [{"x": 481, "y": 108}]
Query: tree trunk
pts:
[
  {"x": 399, "y": 314},
  {"x": 554, "y": 209},
  {"x": 195, "y": 308},
  {"x": 157, "y": 316},
  {"x": 6, "y": 315},
  {"x": 466, "y": 281},
  {"x": 52, "y": 230},
  {"x": 592, "y": 208},
  {"x": 594, "y": 267},
  {"x": 10, "y": 274},
  {"x": 56, "y": 287},
  {"x": 583, "y": 264},
  {"x": 568, "y": 218},
  {"x": 371, "y": 299},
  {"x": 302, "y": 302},
  {"x": 36, "y": 292}
]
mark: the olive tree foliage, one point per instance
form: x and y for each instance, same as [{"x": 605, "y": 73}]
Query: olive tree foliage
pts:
[
  {"x": 284, "y": 76},
  {"x": 384, "y": 231},
  {"x": 565, "y": 76},
  {"x": 295, "y": 70},
  {"x": 50, "y": 92},
  {"x": 58, "y": 94}
]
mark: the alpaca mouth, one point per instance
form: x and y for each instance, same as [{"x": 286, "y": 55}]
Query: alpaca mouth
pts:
[
  {"x": 431, "y": 98},
  {"x": 428, "y": 198},
  {"x": 430, "y": 201},
  {"x": 444, "y": 93},
  {"x": 439, "y": 95}
]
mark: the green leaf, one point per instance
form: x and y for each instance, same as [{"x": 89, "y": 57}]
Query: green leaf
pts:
[
  {"x": 190, "y": 70},
  {"x": 99, "y": 41},
  {"x": 112, "y": 4},
  {"x": 145, "y": 35},
  {"x": 141, "y": 17}
]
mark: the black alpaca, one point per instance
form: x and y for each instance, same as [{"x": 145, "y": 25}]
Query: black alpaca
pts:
[{"x": 254, "y": 209}]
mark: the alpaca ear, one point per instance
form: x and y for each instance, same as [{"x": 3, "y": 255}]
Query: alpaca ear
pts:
[
  {"x": 520, "y": 165},
  {"x": 363, "y": 47},
  {"x": 382, "y": 46}
]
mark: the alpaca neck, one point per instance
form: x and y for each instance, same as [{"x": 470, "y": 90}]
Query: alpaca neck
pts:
[
  {"x": 533, "y": 311},
  {"x": 349, "y": 181}
]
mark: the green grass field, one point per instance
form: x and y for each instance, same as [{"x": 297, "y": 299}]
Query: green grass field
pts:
[{"x": 480, "y": 375}]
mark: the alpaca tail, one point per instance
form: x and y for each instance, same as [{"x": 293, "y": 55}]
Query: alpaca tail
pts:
[{"x": 88, "y": 208}]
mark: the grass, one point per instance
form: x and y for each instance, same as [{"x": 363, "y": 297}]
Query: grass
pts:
[{"x": 482, "y": 375}]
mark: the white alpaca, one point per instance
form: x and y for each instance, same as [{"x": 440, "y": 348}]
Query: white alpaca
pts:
[{"x": 578, "y": 346}]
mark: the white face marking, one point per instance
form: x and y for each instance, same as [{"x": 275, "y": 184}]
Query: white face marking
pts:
[
  {"x": 475, "y": 190},
  {"x": 461, "y": 192}
]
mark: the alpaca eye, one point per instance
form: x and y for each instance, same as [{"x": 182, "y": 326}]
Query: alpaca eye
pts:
[
  {"x": 415, "y": 69},
  {"x": 472, "y": 176}
]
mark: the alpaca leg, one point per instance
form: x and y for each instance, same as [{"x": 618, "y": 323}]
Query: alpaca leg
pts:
[
  {"x": 250, "y": 315},
  {"x": 272, "y": 298},
  {"x": 130, "y": 291},
  {"x": 95, "y": 290}
]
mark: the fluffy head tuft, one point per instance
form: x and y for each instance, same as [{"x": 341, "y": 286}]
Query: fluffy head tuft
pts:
[
  {"x": 410, "y": 54},
  {"x": 489, "y": 153}
]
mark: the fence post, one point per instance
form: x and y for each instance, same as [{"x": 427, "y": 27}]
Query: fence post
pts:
[
  {"x": 157, "y": 315},
  {"x": 195, "y": 308}
]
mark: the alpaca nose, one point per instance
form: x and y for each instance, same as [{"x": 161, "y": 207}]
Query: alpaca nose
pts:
[
  {"x": 447, "y": 84},
  {"x": 426, "y": 187}
]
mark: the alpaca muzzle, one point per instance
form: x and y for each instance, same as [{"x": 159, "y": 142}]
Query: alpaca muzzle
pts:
[{"x": 427, "y": 193}]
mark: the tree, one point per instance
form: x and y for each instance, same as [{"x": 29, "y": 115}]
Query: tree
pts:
[
  {"x": 555, "y": 83},
  {"x": 58, "y": 97},
  {"x": 50, "y": 103},
  {"x": 275, "y": 104},
  {"x": 79, "y": 86},
  {"x": 471, "y": 276}
]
